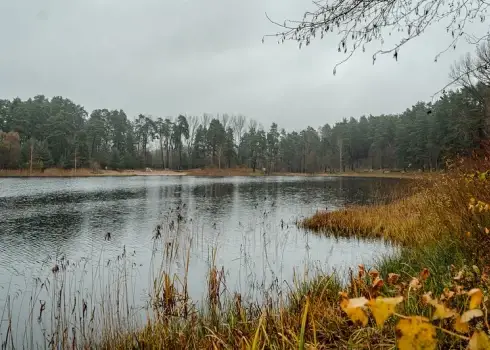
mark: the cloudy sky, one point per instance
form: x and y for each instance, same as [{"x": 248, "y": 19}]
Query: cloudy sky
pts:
[{"x": 165, "y": 57}]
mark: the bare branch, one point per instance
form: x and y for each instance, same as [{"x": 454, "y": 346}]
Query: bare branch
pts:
[{"x": 359, "y": 22}]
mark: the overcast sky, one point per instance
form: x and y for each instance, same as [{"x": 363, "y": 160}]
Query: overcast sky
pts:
[{"x": 165, "y": 57}]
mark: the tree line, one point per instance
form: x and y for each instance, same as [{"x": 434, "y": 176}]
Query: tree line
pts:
[{"x": 38, "y": 133}]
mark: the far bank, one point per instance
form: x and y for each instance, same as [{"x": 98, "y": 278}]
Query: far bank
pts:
[{"x": 211, "y": 172}]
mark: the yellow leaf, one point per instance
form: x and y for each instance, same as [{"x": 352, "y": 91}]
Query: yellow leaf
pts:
[
  {"x": 471, "y": 314},
  {"x": 479, "y": 341},
  {"x": 459, "y": 326},
  {"x": 441, "y": 311},
  {"x": 382, "y": 308},
  {"x": 353, "y": 309},
  {"x": 416, "y": 333},
  {"x": 356, "y": 302},
  {"x": 476, "y": 297}
]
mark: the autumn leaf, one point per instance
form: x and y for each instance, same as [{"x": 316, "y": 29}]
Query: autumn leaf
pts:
[
  {"x": 476, "y": 297},
  {"x": 427, "y": 298},
  {"x": 441, "y": 311},
  {"x": 447, "y": 294},
  {"x": 373, "y": 273},
  {"x": 416, "y": 333},
  {"x": 382, "y": 308},
  {"x": 471, "y": 314},
  {"x": 393, "y": 278},
  {"x": 362, "y": 270},
  {"x": 459, "y": 276},
  {"x": 353, "y": 309},
  {"x": 377, "y": 283},
  {"x": 479, "y": 341},
  {"x": 459, "y": 326},
  {"x": 415, "y": 284},
  {"x": 424, "y": 274}
]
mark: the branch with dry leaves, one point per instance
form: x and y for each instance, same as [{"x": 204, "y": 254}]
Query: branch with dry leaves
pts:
[{"x": 357, "y": 23}]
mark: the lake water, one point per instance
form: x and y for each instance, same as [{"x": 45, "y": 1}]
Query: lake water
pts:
[{"x": 248, "y": 223}]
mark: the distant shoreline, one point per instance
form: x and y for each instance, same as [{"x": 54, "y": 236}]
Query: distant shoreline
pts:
[{"x": 62, "y": 173}]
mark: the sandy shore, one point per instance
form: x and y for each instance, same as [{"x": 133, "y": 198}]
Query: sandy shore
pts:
[
  {"x": 87, "y": 173},
  {"x": 54, "y": 172}
]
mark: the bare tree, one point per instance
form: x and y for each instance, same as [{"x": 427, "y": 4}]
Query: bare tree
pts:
[
  {"x": 238, "y": 126},
  {"x": 224, "y": 120},
  {"x": 473, "y": 74},
  {"x": 205, "y": 120},
  {"x": 357, "y": 23},
  {"x": 193, "y": 125},
  {"x": 252, "y": 124}
]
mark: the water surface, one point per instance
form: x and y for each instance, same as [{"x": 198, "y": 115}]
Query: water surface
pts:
[{"x": 248, "y": 221}]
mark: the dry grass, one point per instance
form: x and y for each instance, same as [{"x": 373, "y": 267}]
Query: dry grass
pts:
[
  {"x": 430, "y": 211},
  {"x": 404, "y": 221}
]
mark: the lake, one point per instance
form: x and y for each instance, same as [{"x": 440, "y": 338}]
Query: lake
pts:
[{"x": 101, "y": 230}]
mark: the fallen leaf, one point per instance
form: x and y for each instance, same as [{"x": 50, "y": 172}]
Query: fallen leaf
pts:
[
  {"x": 442, "y": 311},
  {"x": 479, "y": 341},
  {"x": 353, "y": 309},
  {"x": 427, "y": 298},
  {"x": 382, "y": 308},
  {"x": 416, "y": 333},
  {"x": 471, "y": 314},
  {"x": 459, "y": 326},
  {"x": 459, "y": 290},
  {"x": 459, "y": 276},
  {"x": 448, "y": 294},
  {"x": 476, "y": 297}
]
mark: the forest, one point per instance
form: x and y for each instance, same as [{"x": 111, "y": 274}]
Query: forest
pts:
[{"x": 39, "y": 133}]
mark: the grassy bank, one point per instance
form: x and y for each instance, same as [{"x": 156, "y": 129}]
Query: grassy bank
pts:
[
  {"x": 440, "y": 276},
  {"x": 442, "y": 227}
]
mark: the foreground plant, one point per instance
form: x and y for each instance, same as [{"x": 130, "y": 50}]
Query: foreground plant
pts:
[{"x": 457, "y": 312}]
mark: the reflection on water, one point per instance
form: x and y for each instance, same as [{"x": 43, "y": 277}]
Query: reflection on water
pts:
[{"x": 250, "y": 222}]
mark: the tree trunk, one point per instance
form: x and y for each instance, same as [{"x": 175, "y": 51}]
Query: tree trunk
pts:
[
  {"x": 75, "y": 160},
  {"x": 30, "y": 161},
  {"x": 161, "y": 152},
  {"x": 180, "y": 157}
]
